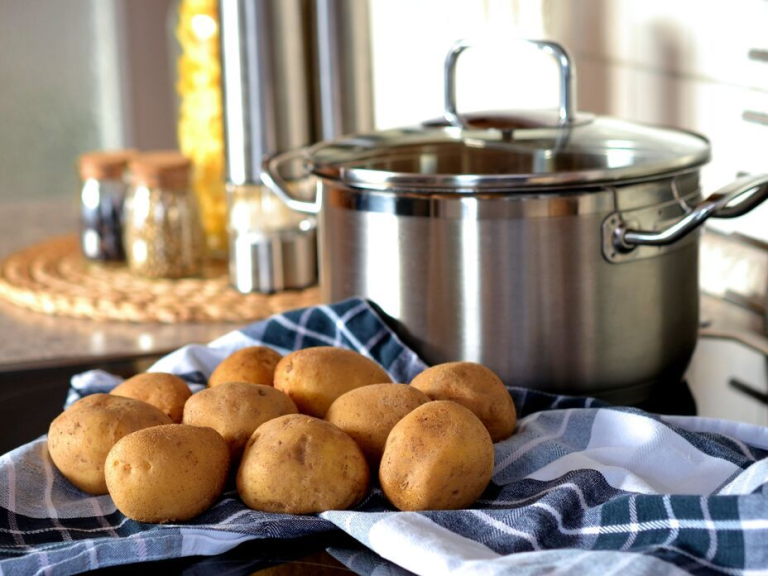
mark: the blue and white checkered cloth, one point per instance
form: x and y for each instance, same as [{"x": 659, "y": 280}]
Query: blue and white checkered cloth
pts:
[{"x": 581, "y": 487}]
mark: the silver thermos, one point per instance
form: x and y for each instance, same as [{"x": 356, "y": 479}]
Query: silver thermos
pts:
[{"x": 293, "y": 72}]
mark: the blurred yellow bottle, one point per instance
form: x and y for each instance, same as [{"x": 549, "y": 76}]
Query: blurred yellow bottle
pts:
[{"x": 201, "y": 135}]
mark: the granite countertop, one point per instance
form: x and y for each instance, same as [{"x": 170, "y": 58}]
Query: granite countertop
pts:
[{"x": 30, "y": 339}]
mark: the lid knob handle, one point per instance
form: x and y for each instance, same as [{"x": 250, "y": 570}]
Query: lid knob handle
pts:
[{"x": 567, "y": 108}]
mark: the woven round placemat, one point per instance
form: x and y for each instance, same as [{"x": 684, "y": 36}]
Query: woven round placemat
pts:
[{"x": 54, "y": 278}]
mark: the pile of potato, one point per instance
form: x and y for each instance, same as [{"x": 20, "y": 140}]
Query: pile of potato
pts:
[{"x": 303, "y": 433}]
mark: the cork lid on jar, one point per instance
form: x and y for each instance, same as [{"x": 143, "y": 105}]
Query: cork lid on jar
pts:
[
  {"x": 105, "y": 164},
  {"x": 165, "y": 169}
]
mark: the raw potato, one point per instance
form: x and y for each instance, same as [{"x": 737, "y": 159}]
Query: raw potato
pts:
[
  {"x": 235, "y": 410},
  {"x": 368, "y": 414},
  {"x": 167, "y": 473},
  {"x": 475, "y": 387},
  {"x": 164, "y": 391},
  {"x": 254, "y": 365},
  {"x": 439, "y": 457},
  {"x": 297, "y": 464},
  {"x": 315, "y": 377},
  {"x": 80, "y": 438}
]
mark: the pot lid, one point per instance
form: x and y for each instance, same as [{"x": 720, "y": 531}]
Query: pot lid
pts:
[
  {"x": 509, "y": 150},
  {"x": 520, "y": 151}
]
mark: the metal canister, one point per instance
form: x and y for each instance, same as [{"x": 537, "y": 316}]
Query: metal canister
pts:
[
  {"x": 343, "y": 75},
  {"x": 268, "y": 106},
  {"x": 274, "y": 54}
]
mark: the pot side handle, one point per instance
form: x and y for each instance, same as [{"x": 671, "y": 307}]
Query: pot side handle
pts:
[
  {"x": 734, "y": 199},
  {"x": 272, "y": 178}
]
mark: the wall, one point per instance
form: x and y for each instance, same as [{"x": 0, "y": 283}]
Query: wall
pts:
[
  {"x": 49, "y": 108},
  {"x": 76, "y": 76}
]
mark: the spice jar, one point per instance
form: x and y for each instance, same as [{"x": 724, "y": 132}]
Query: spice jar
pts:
[
  {"x": 164, "y": 236},
  {"x": 101, "y": 204}
]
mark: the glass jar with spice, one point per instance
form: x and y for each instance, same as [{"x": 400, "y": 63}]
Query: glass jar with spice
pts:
[
  {"x": 103, "y": 175},
  {"x": 164, "y": 236}
]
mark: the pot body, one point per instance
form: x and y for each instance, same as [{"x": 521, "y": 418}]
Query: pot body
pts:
[{"x": 524, "y": 283}]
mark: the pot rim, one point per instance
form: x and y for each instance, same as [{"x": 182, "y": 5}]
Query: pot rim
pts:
[
  {"x": 363, "y": 161},
  {"x": 531, "y": 190}
]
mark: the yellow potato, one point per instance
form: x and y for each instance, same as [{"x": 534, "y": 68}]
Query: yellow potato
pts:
[
  {"x": 80, "y": 438},
  {"x": 167, "y": 473},
  {"x": 475, "y": 387},
  {"x": 164, "y": 391},
  {"x": 235, "y": 410},
  {"x": 315, "y": 377},
  {"x": 254, "y": 365},
  {"x": 368, "y": 414},
  {"x": 297, "y": 464},
  {"x": 438, "y": 457}
]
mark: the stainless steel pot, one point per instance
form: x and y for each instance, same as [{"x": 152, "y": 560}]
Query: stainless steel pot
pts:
[{"x": 558, "y": 249}]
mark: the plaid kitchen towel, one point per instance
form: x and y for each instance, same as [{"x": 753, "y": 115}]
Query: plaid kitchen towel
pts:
[{"x": 581, "y": 487}]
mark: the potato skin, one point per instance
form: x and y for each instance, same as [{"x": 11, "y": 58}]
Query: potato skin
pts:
[
  {"x": 369, "y": 413},
  {"x": 438, "y": 457},
  {"x": 164, "y": 391},
  {"x": 235, "y": 410},
  {"x": 253, "y": 364},
  {"x": 167, "y": 473},
  {"x": 80, "y": 438},
  {"x": 297, "y": 464},
  {"x": 315, "y": 377},
  {"x": 475, "y": 387}
]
